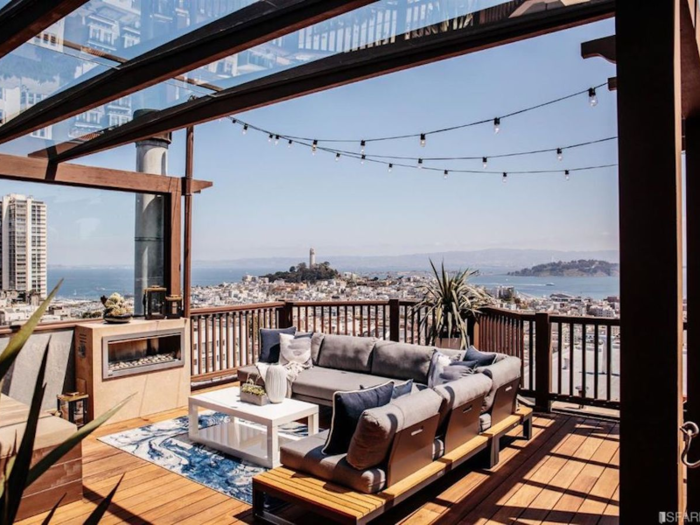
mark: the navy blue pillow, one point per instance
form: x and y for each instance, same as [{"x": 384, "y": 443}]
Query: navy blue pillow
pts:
[
  {"x": 403, "y": 389},
  {"x": 347, "y": 409},
  {"x": 481, "y": 358},
  {"x": 270, "y": 343}
]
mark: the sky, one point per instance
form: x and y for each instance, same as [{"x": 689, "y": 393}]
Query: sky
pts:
[{"x": 272, "y": 201}]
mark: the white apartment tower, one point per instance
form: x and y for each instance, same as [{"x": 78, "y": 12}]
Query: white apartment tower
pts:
[
  {"x": 23, "y": 244},
  {"x": 312, "y": 258}
]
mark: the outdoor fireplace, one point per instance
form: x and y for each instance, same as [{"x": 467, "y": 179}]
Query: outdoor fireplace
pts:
[{"x": 124, "y": 355}]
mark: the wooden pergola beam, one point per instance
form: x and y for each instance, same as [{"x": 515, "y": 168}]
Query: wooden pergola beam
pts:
[
  {"x": 407, "y": 51},
  {"x": 40, "y": 170},
  {"x": 243, "y": 29},
  {"x": 21, "y": 20}
]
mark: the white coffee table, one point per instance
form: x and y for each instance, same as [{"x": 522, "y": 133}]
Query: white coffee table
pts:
[{"x": 239, "y": 437}]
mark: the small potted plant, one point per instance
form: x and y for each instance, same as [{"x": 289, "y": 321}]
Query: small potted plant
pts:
[
  {"x": 451, "y": 304},
  {"x": 252, "y": 393},
  {"x": 117, "y": 310}
]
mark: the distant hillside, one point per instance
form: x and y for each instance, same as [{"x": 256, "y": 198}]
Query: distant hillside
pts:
[
  {"x": 303, "y": 274},
  {"x": 580, "y": 268}
]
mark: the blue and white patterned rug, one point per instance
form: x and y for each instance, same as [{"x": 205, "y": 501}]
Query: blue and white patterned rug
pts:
[{"x": 167, "y": 445}]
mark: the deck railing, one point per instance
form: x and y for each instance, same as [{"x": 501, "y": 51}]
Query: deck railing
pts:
[{"x": 564, "y": 358}]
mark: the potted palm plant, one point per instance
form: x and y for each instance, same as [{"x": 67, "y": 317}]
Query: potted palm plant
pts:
[{"x": 450, "y": 306}]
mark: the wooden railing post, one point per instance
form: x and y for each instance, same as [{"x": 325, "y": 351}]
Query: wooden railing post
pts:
[
  {"x": 286, "y": 318},
  {"x": 394, "y": 320},
  {"x": 543, "y": 362}
]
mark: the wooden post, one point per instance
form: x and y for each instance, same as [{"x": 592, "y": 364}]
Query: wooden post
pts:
[
  {"x": 187, "y": 256},
  {"x": 394, "y": 320},
  {"x": 543, "y": 362},
  {"x": 649, "y": 129},
  {"x": 173, "y": 241},
  {"x": 286, "y": 318},
  {"x": 692, "y": 210}
]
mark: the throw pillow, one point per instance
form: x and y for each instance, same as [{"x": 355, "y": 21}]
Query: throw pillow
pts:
[
  {"x": 400, "y": 389},
  {"x": 481, "y": 358},
  {"x": 458, "y": 370},
  {"x": 438, "y": 363},
  {"x": 347, "y": 409},
  {"x": 295, "y": 349},
  {"x": 270, "y": 343}
]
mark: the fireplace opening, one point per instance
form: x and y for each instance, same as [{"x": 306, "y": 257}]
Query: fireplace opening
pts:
[{"x": 145, "y": 353}]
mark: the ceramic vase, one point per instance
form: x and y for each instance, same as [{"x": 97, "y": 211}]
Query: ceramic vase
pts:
[{"x": 276, "y": 383}]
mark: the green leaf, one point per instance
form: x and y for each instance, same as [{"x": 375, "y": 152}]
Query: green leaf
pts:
[
  {"x": 57, "y": 453},
  {"x": 97, "y": 514},
  {"x": 18, "y": 340},
  {"x": 17, "y": 476},
  {"x": 47, "y": 520}
]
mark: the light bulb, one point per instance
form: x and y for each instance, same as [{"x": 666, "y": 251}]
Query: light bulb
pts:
[
  {"x": 362, "y": 159},
  {"x": 486, "y": 162},
  {"x": 362, "y": 146},
  {"x": 496, "y": 125},
  {"x": 290, "y": 143},
  {"x": 566, "y": 174},
  {"x": 277, "y": 139},
  {"x": 420, "y": 163},
  {"x": 422, "y": 139},
  {"x": 234, "y": 121},
  {"x": 314, "y": 147},
  {"x": 592, "y": 97},
  {"x": 245, "y": 128},
  {"x": 337, "y": 157},
  {"x": 560, "y": 154},
  {"x": 505, "y": 177},
  {"x": 390, "y": 168},
  {"x": 444, "y": 176},
  {"x": 269, "y": 137}
]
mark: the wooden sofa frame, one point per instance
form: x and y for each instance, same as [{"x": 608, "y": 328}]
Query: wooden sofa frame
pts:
[{"x": 410, "y": 467}]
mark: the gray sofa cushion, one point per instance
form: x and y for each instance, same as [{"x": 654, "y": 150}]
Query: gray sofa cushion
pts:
[
  {"x": 402, "y": 360},
  {"x": 322, "y": 383},
  {"x": 345, "y": 352},
  {"x": 246, "y": 372},
  {"x": 316, "y": 342},
  {"x": 502, "y": 372},
  {"x": 376, "y": 428},
  {"x": 306, "y": 455},
  {"x": 456, "y": 393}
]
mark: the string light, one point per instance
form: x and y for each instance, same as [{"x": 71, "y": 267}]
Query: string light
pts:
[
  {"x": 496, "y": 125},
  {"x": 362, "y": 146},
  {"x": 290, "y": 143},
  {"x": 245, "y": 128},
  {"x": 390, "y": 168},
  {"x": 422, "y": 140},
  {"x": 566, "y": 174},
  {"x": 445, "y": 174},
  {"x": 486, "y": 162},
  {"x": 592, "y": 97},
  {"x": 420, "y": 163},
  {"x": 269, "y": 138},
  {"x": 234, "y": 121},
  {"x": 314, "y": 147},
  {"x": 560, "y": 154},
  {"x": 362, "y": 159},
  {"x": 505, "y": 177},
  {"x": 277, "y": 139},
  {"x": 337, "y": 157}
]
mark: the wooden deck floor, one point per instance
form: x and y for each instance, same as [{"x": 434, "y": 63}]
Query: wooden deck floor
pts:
[{"x": 568, "y": 473}]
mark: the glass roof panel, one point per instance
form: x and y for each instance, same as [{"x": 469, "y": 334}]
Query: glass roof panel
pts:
[{"x": 377, "y": 24}]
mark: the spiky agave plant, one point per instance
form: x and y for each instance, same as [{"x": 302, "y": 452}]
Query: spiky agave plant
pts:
[
  {"x": 16, "y": 470},
  {"x": 448, "y": 302}
]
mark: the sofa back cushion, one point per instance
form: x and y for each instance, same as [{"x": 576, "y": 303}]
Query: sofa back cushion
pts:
[
  {"x": 402, "y": 361},
  {"x": 345, "y": 352},
  {"x": 372, "y": 440},
  {"x": 457, "y": 393}
]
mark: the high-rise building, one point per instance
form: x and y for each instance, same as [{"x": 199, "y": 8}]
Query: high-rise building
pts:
[
  {"x": 23, "y": 244},
  {"x": 312, "y": 258}
]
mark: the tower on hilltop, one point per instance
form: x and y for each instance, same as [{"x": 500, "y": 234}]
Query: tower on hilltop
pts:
[{"x": 312, "y": 258}]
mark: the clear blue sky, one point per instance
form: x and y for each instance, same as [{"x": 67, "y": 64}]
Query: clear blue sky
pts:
[{"x": 272, "y": 201}]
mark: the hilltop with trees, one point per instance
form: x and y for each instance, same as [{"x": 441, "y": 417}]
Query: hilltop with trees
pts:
[
  {"x": 301, "y": 273},
  {"x": 580, "y": 268}
]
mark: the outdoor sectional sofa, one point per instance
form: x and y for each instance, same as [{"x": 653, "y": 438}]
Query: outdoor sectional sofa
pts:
[{"x": 417, "y": 437}]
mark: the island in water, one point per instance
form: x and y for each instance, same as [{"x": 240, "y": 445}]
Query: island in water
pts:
[
  {"x": 580, "y": 268},
  {"x": 301, "y": 273}
]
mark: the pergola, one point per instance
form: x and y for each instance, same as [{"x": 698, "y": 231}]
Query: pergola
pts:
[{"x": 658, "y": 82}]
